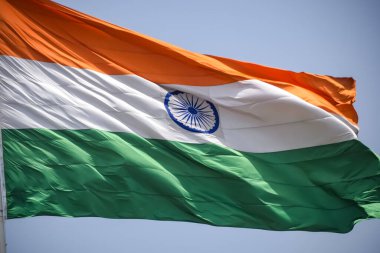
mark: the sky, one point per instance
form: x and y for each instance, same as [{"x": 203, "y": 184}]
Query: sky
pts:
[{"x": 333, "y": 37}]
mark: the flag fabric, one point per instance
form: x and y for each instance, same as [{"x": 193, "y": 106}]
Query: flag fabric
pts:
[{"x": 101, "y": 121}]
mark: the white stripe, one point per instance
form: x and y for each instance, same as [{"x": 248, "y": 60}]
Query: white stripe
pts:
[{"x": 254, "y": 116}]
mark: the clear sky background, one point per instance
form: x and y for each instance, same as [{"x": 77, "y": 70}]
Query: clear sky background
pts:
[{"x": 333, "y": 37}]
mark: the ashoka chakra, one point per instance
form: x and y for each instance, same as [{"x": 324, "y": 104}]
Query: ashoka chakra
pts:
[{"x": 192, "y": 113}]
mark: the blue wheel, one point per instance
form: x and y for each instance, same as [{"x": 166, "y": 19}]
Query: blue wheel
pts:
[{"x": 192, "y": 113}]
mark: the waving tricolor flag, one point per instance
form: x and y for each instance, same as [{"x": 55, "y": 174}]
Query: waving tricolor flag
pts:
[{"x": 98, "y": 120}]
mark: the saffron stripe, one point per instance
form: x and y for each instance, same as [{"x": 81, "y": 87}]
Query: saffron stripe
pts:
[{"x": 48, "y": 32}]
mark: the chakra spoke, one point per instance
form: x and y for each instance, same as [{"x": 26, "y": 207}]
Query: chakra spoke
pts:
[
  {"x": 196, "y": 104},
  {"x": 201, "y": 109},
  {"x": 179, "y": 103},
  {"x": 205, "y": 119},
  {"x": 183, "y": 100},
  {"x": 201, "y": 120},
  {"x": 180, "y": 108},
  {"x": 187, "y": 100},
  {"x": 206, "y": 115},
  {"x": 182, "y": 114}
]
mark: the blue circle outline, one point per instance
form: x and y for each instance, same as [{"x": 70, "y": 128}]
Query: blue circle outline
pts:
[{"x": 212, "y": 106}]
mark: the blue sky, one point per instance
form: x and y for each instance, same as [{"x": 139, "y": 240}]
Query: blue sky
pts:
[{"x": 333, "y": 37}]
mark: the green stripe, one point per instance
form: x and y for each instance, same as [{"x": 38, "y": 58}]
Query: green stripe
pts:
[{"x": 119, "y": 175}]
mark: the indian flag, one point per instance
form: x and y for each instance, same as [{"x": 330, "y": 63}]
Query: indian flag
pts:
[{"x": 97, "y": 120}]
